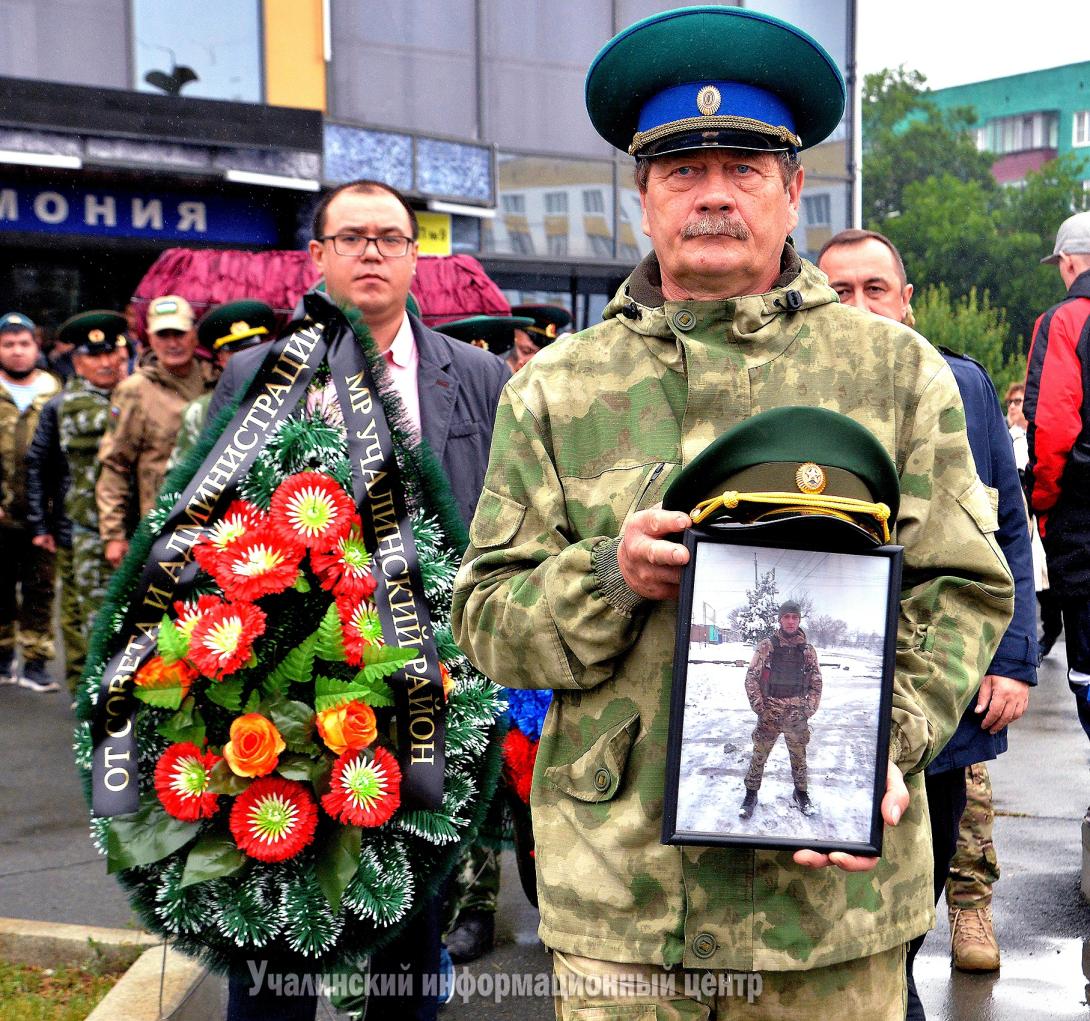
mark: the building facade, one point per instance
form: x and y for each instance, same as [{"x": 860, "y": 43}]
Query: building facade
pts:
[
  {"x": 129, "y": 126},
  {"x": 1028, "y": 119}
]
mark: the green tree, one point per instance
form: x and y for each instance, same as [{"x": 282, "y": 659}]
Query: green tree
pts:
[
  {"x": 907, "y": 138},
  {"x": 970, "y": 325}
]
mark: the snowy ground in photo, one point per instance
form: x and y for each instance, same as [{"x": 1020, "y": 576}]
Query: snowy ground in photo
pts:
[{"x": 717, "y": 745}]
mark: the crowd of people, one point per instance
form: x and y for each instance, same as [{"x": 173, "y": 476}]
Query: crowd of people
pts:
[{"x": 558, "y": 467}]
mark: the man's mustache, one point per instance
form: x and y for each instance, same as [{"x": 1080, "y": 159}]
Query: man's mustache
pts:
[{"x": 726, "y": 226}]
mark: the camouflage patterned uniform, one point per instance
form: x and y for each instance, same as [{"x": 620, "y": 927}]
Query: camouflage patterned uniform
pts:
[
  {"x": 974, "y": 868},
  {"x": 144, "y": 420},
  {"x": 23, "y": 565},
  {"x": 193, "y": 419},
  {"x": 778, "y": 712},
  {"x": 81, "y": 420},
  {"x": 593, "y": 429}
]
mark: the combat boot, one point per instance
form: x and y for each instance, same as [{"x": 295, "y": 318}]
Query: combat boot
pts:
[
  {"x": 972, "y": 939},
  {"x": 748, "y": 805},
  {"x": 802, "y": 802}
]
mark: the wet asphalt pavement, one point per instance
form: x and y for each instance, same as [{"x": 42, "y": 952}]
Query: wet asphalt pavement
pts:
[{"x": 50, "y": 871}]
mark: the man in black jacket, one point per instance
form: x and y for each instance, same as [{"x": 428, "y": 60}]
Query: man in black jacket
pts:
[{"x": 365, "y": 245}]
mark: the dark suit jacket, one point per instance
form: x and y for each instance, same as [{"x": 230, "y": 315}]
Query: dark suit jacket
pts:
[{"x": 459, "y": 390}]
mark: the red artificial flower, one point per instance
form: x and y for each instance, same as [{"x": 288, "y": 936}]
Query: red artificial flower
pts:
[
  {"x": 364, "y": 788},
  {"x": 346, "y": 567},
  {"x": 181, "y": 781},
  {"x": 240, "y": 518},
  {"x": 258, "y": 564},
  {"x": 157, "y": 673},
  {"x": 519, "y": 755},
  {"x": 360, "y": 627},
  {"x": 273, "y": 819},
  {"x": 223, "y": 638},
  {"x": 191, "y": 611},
  {"x": 312, "y": 510}
]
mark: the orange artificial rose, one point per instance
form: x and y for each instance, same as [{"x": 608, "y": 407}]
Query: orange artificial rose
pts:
[
  {"x": 254, "y": 747},
  {"x": 349, "y": 726}
]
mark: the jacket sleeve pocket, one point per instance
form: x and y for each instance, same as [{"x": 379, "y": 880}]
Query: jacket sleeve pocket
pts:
[
  {"x": 597, "y": 774},
  {"x": 981, "y": 503},
  {"x": 496, "y": 520}
]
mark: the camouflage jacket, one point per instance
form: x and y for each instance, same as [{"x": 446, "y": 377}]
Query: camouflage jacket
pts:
[
  {"x": 16, "y": 434},
  {"x": 595, "y": 428},
  {"x": 757, "y": 688},
  {"x": 144, "y": 420},
  {"x": 62, "y": 463}
]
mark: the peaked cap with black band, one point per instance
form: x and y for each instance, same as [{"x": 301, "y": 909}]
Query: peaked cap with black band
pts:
[
  {"x": 792, "y": 464},
  {"x": 549, "y": 321},
  {"x": 237, "y": 325},
  {"x": 495, "y": 333},
  {"x": 96, "y": 332},
  {"x": 713, "y": 77}
]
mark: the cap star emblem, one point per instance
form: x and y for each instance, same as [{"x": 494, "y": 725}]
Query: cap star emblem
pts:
[{"x": 810, "y": 478}]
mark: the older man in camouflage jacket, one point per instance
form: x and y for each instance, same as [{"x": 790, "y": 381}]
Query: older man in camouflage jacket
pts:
[{"x": 571, "y": 578}]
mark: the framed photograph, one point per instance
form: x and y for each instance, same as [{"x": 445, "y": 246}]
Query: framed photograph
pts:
[{"x": 782, "y": 692}]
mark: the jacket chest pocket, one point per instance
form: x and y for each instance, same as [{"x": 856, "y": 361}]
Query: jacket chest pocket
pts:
[{"x": 600, "y": 504}]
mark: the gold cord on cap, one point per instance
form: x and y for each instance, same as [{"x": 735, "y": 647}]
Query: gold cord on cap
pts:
[
  {"x": 721, "y": 123},
  {"x": 838, "y": 506}
]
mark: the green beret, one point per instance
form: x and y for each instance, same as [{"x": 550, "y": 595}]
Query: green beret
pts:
[
  {"x": 549, "y": 321},
  {"x": 793, "y": 462},
  {"x": 494, "y": 333},
  {"x": 237, "y": 325},
  {"x": 97, "y": 332},
  {"x": 718, "y": 77}
]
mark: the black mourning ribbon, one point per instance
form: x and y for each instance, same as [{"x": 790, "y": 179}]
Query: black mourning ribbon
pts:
[{"x": 169, "y": 571}]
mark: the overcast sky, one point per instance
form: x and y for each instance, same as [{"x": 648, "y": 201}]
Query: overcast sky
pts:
[{"x": 957, "y": 41}]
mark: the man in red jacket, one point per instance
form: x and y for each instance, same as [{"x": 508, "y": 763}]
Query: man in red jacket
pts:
[{"x": 1057, "y": 405}]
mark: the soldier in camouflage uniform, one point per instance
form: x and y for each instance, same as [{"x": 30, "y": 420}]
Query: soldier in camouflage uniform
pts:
[
  {"x": 224, "y": 330},
  {"x": 144, "y": 419},
  {"x": 62, "y": 469},
  {"x": 783, "y": 685},
  {"x": 26, "y": 568},
  {"x": 571, "y": 578}
]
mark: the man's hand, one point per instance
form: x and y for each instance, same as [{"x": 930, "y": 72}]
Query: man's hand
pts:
[
  {"x": 649, "y": 563},
  {"x": 1004, "y": 698},
  {"x": 115, "y": 551},
  {"x": 46, "y": 542},
  {"x": 893, "y": 807}
]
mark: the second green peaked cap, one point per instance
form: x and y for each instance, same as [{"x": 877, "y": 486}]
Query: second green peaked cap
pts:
[{"x": 770, "y": 452}]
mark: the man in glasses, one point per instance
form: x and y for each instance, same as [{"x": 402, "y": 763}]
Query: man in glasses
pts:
[{"x": 365, "y": 245}]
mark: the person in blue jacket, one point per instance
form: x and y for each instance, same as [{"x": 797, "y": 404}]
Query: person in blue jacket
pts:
[{"x": 865, "y": 269}]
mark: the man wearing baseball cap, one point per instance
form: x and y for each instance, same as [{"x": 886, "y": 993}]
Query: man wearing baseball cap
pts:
[
  {"x": 145, "y": 416},
  {"x": 570, "y": 581},
  {"x": 1057, "y": 406}
]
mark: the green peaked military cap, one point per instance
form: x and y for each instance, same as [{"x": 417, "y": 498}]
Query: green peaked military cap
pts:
[
  {"x": 495, "y": 333},
  {"x": 792, "y": 462},
  {"x": 96, "y": 332},
  {"x": 549, "y": 321},
  {"x": 711, "y": 76},
  {"x": 237, "y": 325}
]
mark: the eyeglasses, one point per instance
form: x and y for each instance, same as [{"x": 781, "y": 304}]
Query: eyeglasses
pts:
[
  {"x": 1014, "y": 400},
  {"x": 390, "y": 246}
]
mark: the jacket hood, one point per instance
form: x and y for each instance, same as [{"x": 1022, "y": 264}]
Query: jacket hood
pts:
[{"x": 640, "y": 302}]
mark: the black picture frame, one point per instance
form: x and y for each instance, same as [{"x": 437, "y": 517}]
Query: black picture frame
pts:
[{"x": 712, "y": 722}]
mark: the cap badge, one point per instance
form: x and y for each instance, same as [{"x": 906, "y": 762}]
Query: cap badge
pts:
[
  {"x": 239, "y": 327},
  {"x": 96, "y": 336},
  {"x": 482, "y": 344},
  {"x": 550, "y": 330},
  {"x": 708, "y": 100},
  {"x": 163, "y": 307},
  {"x": 810, "y": 478}
]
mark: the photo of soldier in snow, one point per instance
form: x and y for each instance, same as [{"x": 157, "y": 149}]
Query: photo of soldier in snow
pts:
[
  {"x": 796, "y": 638},
  {"x": 783, "y": 685}
]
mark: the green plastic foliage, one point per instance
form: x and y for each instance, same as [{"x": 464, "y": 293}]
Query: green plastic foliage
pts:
[{"x": 145, "y": 836}]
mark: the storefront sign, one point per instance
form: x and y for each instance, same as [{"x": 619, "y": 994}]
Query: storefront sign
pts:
[
  {"x": 158, "y": 216},
  {"x": 435, "y": 233}
]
